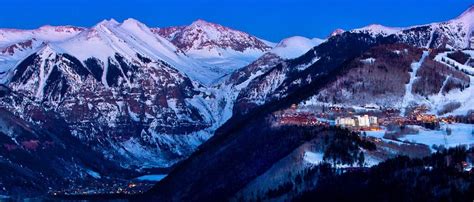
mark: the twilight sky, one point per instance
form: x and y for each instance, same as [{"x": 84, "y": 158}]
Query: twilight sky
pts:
[{"x": 269, "y": 19}]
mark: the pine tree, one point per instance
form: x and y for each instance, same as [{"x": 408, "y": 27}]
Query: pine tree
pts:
[
  {"x": 449, "y": 131},
  {"x": 361, "y": 159}
]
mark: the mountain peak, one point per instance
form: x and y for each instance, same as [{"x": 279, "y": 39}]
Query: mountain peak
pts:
[
  {"x": 201, "y": 22},
  {"x": 336, "y": 32},
  {"x": 111, "y": 21},
  {"x": 130, "y": 22},
  {"x": 207, "y": 36},
  {"x": 378, "y": 29},
  {"x": 47, "y": 49},
  {"x": 294, "y": 39}
]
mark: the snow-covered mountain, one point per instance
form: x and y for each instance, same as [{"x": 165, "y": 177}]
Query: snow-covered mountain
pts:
[
  {"x": 45, "y": 33},
  {"x": 102, "y": 41},
  {"x": 455, "y": 33},
  {"x": 289, "y": 77},
  {"x": 129, "y": 38},
  {"x": 125, "y": 91},
  {"x": 218, "y": 46},
  {"x": 130, "y": 93},
  {"x": 148, "y": 97}
]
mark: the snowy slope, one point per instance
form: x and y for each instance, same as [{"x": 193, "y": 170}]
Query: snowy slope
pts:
[
  {"x": 453, "y": 33},
  {"x": 295, "y": 46},
  {"x": 462, "y": 134},
  {"x": 12, "y": 54},
  {"x": 409, "y": 97},
  {"x": 45, "y": 33},
  {"x": 15, "y": 45},
  {"x": 465, "y": 98},
  {"x": 460, "y": 29},
  {"x": 102, "y": 41},
  {"x": 376, "y": 29}
]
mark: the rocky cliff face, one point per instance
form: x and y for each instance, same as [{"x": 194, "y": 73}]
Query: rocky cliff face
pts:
[{"x": 143, "y": 105}]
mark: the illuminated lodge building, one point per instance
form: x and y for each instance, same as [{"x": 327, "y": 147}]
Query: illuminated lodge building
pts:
[{"x": 360, "y": 122}]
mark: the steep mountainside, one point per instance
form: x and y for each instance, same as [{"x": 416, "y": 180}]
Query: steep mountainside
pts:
[
  {"x": 139, "y": 110},
  {"x": 33, "y": 158},
  {"x": 239, "y": 80}
]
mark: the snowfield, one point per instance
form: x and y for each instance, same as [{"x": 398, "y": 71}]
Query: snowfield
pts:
[
  {"x": 462, "y": 134},
  {"x": 296, "y": 46}
]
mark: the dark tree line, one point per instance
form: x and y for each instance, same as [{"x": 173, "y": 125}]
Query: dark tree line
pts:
[
  {"x": 343, "y": 148},
  {"x": 439, "y": 177}
]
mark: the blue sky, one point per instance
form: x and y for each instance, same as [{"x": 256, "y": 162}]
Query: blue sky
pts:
[{"x": 271, "y": 20}]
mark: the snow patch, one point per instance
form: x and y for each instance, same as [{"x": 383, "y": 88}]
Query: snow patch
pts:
[
  {"x": 152, "y": 178},
  {"x": 313, "y": 158},
  {"x": 93, "y": 174},
  {"x": 368, "y": 61}
]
